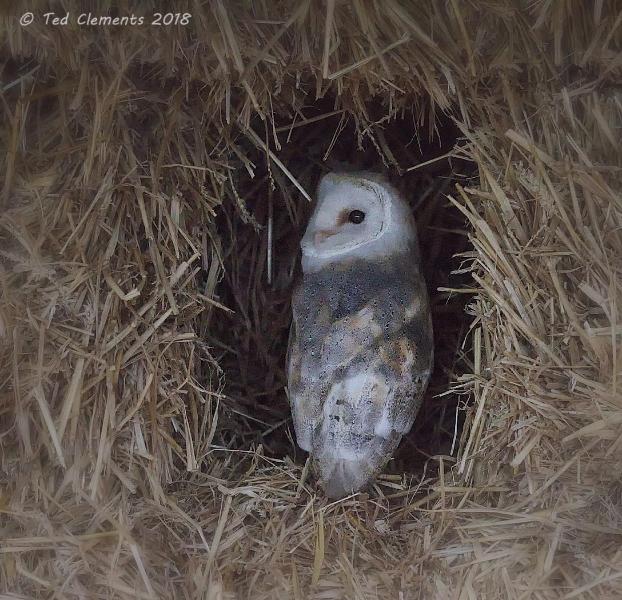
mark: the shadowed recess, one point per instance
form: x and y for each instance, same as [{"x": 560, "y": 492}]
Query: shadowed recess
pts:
[{"x": 423, "y": 160}]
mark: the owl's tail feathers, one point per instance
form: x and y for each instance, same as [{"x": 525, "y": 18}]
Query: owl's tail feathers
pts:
[{"x": 342, "y": 477}]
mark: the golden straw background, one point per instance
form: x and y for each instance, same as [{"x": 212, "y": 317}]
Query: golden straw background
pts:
[{"x": 121, "y": 474}]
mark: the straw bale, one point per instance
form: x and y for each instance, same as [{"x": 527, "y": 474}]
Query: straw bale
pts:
[{"x": 150, "y": 176}]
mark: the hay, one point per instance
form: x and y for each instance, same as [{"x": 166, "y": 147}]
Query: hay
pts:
[{"x": 144, "y": 450}]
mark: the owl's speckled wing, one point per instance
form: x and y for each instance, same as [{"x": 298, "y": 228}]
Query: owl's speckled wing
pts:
[{"x": 359, "y": 359}]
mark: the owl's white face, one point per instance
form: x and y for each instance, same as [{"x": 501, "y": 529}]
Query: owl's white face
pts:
[{"x": 355, "y": 216}]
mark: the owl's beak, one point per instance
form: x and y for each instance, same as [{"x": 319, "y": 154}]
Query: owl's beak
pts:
[{"x": 322, "y": 235}]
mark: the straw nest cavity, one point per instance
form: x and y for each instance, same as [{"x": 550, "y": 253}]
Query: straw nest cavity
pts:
[{"x": 154, "y": 184}]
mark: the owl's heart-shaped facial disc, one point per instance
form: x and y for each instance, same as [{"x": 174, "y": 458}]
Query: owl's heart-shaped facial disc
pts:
[
  {"x": 349, "y": 213},
  {"x": 355, "y": 216}
]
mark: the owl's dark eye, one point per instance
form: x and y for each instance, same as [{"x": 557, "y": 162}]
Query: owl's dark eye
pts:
[{"x": 356, "y": 216}]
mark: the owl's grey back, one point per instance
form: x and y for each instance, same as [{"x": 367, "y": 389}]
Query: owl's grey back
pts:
[{"x": 360, "y": 356}]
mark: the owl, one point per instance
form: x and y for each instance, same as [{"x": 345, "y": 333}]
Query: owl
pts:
[{"x": 360, "y": 350}]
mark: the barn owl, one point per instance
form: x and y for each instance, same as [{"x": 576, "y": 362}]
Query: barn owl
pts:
[{"x": 360, "y": 350}]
